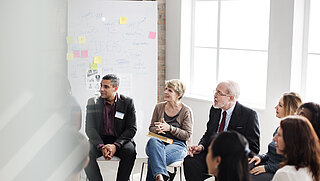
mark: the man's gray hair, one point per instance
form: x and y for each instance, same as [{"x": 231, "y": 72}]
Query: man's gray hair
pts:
[{"x": 233, "y": 88}]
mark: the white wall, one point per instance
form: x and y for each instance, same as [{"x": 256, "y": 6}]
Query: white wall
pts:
[
  {"x": 173, "y": 18},
  {"x": 279, "y": 66}
]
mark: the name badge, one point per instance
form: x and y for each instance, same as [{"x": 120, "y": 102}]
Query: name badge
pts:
[{"x": 119, "y": 115}]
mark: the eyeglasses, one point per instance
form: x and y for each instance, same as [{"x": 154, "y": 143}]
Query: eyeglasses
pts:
[{"x": 219, "y": 93}]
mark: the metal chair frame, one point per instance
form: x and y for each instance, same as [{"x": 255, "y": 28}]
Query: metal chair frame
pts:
[
  {"x": 114, "y": 158},
  {"x": 174, "y": 165}
]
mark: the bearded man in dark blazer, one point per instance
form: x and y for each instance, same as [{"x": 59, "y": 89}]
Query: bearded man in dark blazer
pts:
[
  {"x": 111, "y": 126},
  {"x": 226, "y": 113}
]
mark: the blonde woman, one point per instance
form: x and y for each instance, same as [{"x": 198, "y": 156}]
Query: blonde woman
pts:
[
  {"x": 171, "y": 119},
  {"x": 265, "y": 165}
]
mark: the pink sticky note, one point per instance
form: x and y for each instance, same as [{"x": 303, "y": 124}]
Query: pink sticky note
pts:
[
  {"x": 76, "y": 54},
  {"x": 152, "y": 35},
  {"x": 84, "y": 53}
]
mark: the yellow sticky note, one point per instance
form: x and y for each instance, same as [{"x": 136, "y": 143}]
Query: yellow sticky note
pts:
[
  {"x": 81, "y": 39},
  {"x": 93, "y": 66},
  {"x": 97, "y": 60},
  {"x": 70, "y": 40},
  {"x": 69, "y": 56},
  {"x": 123, "y": 20}
]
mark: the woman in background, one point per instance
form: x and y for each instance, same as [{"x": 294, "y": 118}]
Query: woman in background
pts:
[
  {"x": 266, "y": 165},
  {"x": 311, "y": 111},
  {"x": 227, "y": 157},
  {"x": 299, "y": 143},
  {"x": 171, "y": 119}
]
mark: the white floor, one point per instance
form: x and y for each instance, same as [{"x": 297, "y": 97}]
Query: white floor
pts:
[{"x": 109, "y": 171}]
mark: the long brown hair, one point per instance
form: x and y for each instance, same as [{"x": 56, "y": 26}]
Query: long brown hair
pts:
[
  {"x": 302, "y": 148},
  {"x": 291, "y": 102}
]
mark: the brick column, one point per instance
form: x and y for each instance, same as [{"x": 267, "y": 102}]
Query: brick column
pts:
[{"x": 161, "y": 47}]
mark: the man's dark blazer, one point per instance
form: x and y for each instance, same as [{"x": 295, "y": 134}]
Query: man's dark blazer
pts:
[
  {"x": 243, "y": 120},
  {"x": 124, "y": 129}
]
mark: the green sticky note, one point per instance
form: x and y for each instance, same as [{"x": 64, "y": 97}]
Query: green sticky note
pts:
[{"x": 70, "y": 40}]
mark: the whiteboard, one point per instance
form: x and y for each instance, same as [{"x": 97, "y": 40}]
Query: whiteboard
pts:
[{"x": 124, "y": 35}]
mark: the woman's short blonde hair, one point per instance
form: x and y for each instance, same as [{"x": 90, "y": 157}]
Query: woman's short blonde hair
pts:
[{"x": 177, "y": 86}]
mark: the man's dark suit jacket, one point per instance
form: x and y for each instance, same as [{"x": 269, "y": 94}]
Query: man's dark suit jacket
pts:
[
  {"x": 124, "y": 129},
  {"x": 243, "y": 120}
]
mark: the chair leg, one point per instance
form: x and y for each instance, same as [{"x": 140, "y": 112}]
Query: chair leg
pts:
[
  {"x": 142, "y": 171},
  {"x": 180, "y": 173}
]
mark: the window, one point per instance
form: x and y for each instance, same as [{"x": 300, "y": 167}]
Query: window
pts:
[
  {"x": 229, "y": 40},
  {"x": 313, "y": 57}
]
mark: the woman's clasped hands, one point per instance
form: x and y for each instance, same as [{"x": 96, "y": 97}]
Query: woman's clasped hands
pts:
[{"x": 162, "y": 126}]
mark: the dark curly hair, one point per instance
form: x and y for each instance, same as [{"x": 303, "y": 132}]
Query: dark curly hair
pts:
[{"x": 314, "y": 118}]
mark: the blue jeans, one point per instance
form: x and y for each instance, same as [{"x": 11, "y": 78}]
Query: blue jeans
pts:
[{"x": 161, "y": 155}]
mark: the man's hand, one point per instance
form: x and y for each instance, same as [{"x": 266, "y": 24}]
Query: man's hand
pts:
[
  {"x": 108, "y": 151},
  {"x": 196, "y": 149},
  {"x": 258, "y": 170},
  {"x": 256, "y": 159}
]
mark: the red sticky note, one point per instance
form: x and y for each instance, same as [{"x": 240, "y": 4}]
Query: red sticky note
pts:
[
  {"x": 152, "y": 35},
  {"x": 76, "y": 54},
  {"x": 84, "y": 53}
]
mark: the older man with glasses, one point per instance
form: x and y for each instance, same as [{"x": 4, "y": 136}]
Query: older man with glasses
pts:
[{"x": 226, "y": 113}]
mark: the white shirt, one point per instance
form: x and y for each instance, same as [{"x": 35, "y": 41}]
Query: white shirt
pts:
[{"x": 290, "y": 173}]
